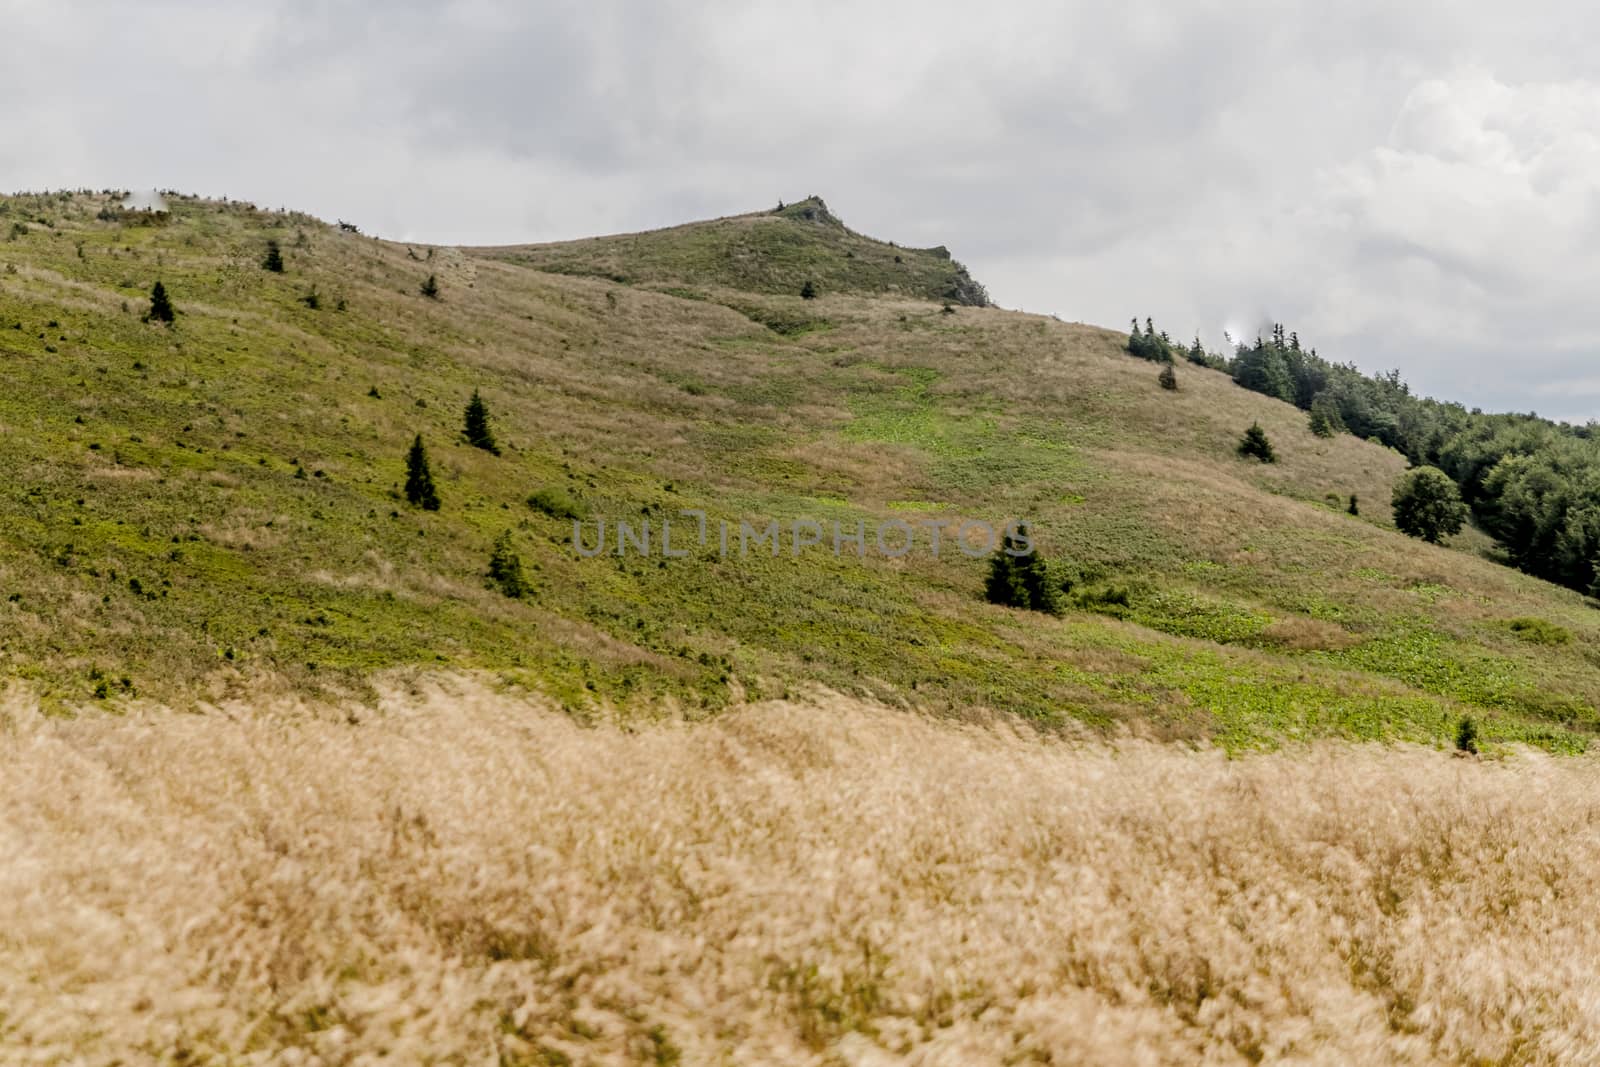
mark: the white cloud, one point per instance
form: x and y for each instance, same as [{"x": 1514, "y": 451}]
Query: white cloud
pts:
[{"x": 1473, "y": 234}]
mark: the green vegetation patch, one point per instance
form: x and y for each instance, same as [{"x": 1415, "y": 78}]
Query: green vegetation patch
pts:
[
  {"x": 1538, "y": 631},
  {"x": 786, "y": 322},
  {"x": 1427, "y": 660},
  {"x": 1192, "y": 615}
]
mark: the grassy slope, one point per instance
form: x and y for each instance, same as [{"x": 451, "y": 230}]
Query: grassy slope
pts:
[{"x": 170, "y": 456}]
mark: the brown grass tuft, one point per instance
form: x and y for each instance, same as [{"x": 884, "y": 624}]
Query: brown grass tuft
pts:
[{"x": 1308, "y": 635}]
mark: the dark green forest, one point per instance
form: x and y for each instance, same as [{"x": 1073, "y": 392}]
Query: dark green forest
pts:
[{"x": 1531, "y": 483}]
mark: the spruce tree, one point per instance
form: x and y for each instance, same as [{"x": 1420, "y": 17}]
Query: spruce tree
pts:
[
  {"x": 1150, "y": 344},
  {"x": 478, "y": 432},
  {"x": 1043, "y": 593},
  {"x": 1255, "y": 443},
  {"x": 1021, "y": 581},
  {"x": 1197, "y": 352},
  {"x": 808, "y": 291},
  {"x": 1355, "y": 505},
  {"x": 1168, "y": 378},
  {"x": 419, "y": 479},
  {"x": 430, "y": 288},
  {"x": 1004, "y": 584},
  {"x": 1319, "y": 423},
  {"x": 161, "y": 309},
  {"x": 505, "y": 569},
  {"x": 274, "y": 258}
]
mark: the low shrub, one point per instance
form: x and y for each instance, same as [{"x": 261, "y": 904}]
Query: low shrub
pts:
[{"x": 554, "y": 502}]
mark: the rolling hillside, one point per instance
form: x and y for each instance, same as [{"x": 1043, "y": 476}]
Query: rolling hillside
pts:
[{"x": 212, "y": 508}]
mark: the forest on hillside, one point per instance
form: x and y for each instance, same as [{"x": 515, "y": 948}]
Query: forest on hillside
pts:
[{"x": 1531, "y": 483}]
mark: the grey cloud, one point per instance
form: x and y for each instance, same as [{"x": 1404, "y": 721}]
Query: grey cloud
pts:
[{"x": 1407, "y": 185}]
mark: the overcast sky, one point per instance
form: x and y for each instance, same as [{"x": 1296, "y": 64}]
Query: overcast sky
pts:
[{"x": 1412, "y": 186}]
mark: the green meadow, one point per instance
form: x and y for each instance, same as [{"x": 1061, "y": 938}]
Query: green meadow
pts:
[{"x": 204, "y": 509}]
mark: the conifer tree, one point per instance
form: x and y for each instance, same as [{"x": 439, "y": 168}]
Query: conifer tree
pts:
[
  {"x": 505, "y": 569},
  {"x": 430, "y": 288},
  {"x": 808, "y": 291},
  {"x": 274, "y": 258},
  {"x": 1355, "y": 505},
  {"x": 477, "y": 429},
  {"x": 1021, "y": 580},
  {"x": 419, "y": 479},
  {"x": 1197, "y": 352},
  {"x": 1168, "y": 378},
  {"x": 1004, "y": 585},
  {"x": 1319, "y": 423},
  {"x": 161, "y": 309},
  {"x": 1043, "y": 594},
  {"x": 1255, "y": 443},
  {"x": 1149, "y": 344}
]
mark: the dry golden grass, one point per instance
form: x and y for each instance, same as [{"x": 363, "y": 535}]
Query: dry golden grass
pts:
[
  {"x": 1308, "y": 635},
  {"x": 465, "y": 878}
]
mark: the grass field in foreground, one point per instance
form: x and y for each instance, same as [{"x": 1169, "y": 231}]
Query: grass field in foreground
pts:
[{"x": 461, "y": 877}]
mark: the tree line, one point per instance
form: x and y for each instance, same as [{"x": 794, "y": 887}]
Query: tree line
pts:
[{"x": 1529, "y": 482}]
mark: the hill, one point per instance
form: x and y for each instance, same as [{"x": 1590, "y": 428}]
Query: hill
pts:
[{"x": 214, "y": 507}]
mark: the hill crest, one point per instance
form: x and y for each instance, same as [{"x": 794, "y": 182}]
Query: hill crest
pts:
[{"x": 775, "y": 252}]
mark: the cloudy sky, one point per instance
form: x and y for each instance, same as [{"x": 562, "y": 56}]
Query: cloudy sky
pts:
[{"x": 1412, "y": 186}]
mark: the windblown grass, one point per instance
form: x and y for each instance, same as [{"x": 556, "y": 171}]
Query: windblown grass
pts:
[{"x": 458, "y": 877}]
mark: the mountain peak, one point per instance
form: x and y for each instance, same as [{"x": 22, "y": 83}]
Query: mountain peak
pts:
[
  {"x": 775, "y": 252},
  {"x": 812, "y": 209}
]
